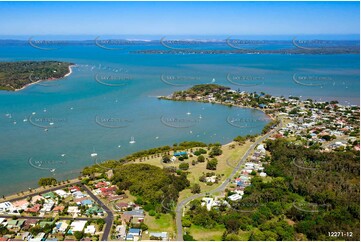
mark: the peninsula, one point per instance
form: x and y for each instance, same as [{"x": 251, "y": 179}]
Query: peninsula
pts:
[{"x": 15, "y": 76}]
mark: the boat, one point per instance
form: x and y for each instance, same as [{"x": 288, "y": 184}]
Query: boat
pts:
[
  {"x": 200, "y": 116},
  {"x": 51, "y": 123},
  {"x": 25, "y": 120},
  {"x": 93, "y": 154},
  {"x": 45, "y": 130},
  {"x": 188, "y": 113},
  {"x": 62, "y": 155},
  {"x": 132, "y": 141},
  {"x": 52, "y": 170}
]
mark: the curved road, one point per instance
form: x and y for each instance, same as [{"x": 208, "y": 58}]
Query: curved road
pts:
[{"x": 181, "y": 204}]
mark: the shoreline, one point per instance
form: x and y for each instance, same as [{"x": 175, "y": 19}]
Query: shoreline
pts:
[{"x": 32, "y": 83}]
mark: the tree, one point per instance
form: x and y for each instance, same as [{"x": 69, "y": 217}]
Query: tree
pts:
[
  {"x": 215, "y": 151},
  {"x": 201, "y": 159},
  {"x": 196, "y": 188},
  {"x": 184, "y": 166},
  {"x": 166, "y": 159},
  {"x": 212, "y": 164},
  {"x": 78, "y": 235},
  {"x": 46, "y": 181}
]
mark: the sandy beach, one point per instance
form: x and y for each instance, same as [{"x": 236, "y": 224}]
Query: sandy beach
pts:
[{"x": 68, "y": 74}]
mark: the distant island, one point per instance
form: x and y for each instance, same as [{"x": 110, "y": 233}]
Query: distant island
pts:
[{"x": 15, "y": 76}]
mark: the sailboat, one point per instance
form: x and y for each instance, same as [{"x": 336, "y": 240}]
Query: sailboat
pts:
[
  {"x": 132, "y": 141},
  {"x": 52, "y": 170}
]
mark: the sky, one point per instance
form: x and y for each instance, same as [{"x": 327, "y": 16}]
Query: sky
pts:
[{"x": 179, "y": 18}]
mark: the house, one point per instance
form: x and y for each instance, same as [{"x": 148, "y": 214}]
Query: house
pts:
[
  {"x": 95, "y": 210},
  {"x": 90, "y": 229},
  {"x": 86, "y": 202},
  {"x": 208, "y": 202},
  {"x": 21, "y": 204},
  {"x": 73, "y": 210},
  {"x": 133, "y": 234},
  {"x": 58, "y": 209},
  {"x": 60, "y": 226},
  {"x": 135, "y": 216},
  {"x": 78, "y": 194},
  {"x": 36, "y": 198},
  {"x": 235, "y": 197},
  {"x": 77, "y": 225},
  {"x": 61, "y": 193},
  {"x": 74, "y": 189},
  {"x": 38, "y": 237},
  {"x": 120, "y": 232},
  {"x": 49, "y": 195},
  {"x": 159, "y": 236},
  {"x": 34, "y": 209},
  {"x": 47, "y": 206},
  {"x": 29, "y": 223},
  {"x": 121, "y": 206},
  {"x": 6, "y": 207},
  {"x": 101, "y": 184}
]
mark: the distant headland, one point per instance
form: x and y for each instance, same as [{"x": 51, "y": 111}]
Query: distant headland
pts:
[{"x": 15, "y": 76}]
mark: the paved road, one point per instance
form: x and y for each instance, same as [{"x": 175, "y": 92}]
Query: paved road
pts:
[
  {"x": 108, "y": 219},
  {"x": 181, "y": 204}
]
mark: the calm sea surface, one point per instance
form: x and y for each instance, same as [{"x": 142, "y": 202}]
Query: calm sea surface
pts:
[{"x": 52, "y": 128}]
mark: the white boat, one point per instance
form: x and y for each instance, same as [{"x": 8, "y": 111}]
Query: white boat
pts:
[
  {"x": 62, "y": 155},
  {"x": 93, "y": 154},
  {"x": 25, "y": 120},
  {"x": 200, "y": 116},
  {"x": 132, "y": 141},
  {"x": 51, "y": 123},
  {"x": 213, "y": 80},
  {"x": 52, "y": 170},
  {"x": 33, "y": 113},
  {"x": 45, "y": 130},
  {"x": 188, "y": 113}
]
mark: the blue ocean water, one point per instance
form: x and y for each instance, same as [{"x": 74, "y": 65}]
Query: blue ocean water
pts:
[{"x": 111, "y": 97}]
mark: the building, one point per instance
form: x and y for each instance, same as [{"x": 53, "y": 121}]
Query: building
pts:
[{"x": 77, "y": 225}]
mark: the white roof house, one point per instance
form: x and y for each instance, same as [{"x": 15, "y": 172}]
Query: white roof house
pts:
[
  {"x": 235, "y": 197},
  {"x": 62, "y": 193},
  {"x": 78, "y": 225},
  {"x": 90, "y": 229}
]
